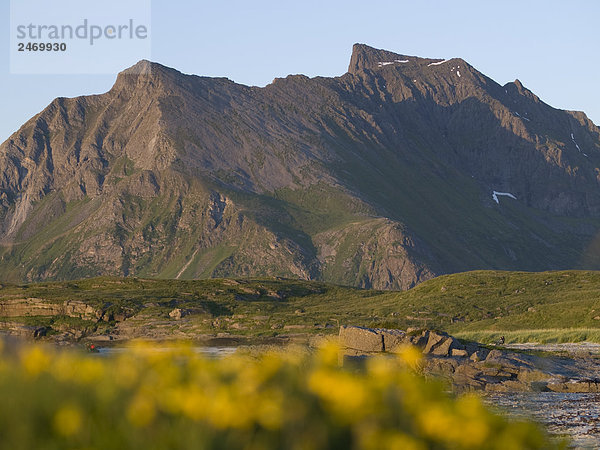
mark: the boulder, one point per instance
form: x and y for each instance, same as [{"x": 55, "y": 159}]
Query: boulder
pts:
[
  {"x": 442, "y": 344},
  {"x": 508, "y": 386},
  {"x": 473, "y": 347},
  {"x": 392, "y": 339},
  {"x": 444, "y": 367},
  {"x": 575, "y": 386},
  {"x": 434, "y": 339},
  {"x": 418, "y": 339},
  {"x": 494, "y": 355},
  {"x": 533, "y": 375},
  {"x": 479, "y": 355},
  {"x": 459, "y": 352},
  {"x": 39, "y": 332},
  {"x": 177, "y": 314},
  {"x": 444, "y": 348},
  {"x": 361, "y": 338}
]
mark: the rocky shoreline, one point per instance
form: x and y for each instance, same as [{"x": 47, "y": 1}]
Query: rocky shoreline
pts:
[{"x": 469, "y": 366}]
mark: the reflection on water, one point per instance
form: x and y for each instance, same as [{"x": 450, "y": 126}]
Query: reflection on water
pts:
[{"x": 575, "y": 415}]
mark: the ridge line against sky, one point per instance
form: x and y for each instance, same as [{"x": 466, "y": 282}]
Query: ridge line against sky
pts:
[{"x": 551, "y": 46}]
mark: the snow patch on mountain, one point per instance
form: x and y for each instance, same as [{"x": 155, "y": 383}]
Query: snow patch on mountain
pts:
[
  {"x": 437, "y": 63},
  {"x": 496, "y": 194}
]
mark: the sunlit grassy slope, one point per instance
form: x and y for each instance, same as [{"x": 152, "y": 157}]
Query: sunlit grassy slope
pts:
[{"x": 458, "y": 303}]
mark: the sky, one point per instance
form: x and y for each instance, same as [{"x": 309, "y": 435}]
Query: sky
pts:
[{"x": 551, "y": 46}]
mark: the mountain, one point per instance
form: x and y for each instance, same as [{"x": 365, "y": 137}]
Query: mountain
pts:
[{"x": 401, "y": 169}]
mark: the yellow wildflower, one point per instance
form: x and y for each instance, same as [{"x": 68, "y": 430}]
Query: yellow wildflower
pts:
[
  {"x": 193, "y": 402},
  {"x": 410, "y": 355},
  {"x": 436, "y": 421},
  {"x": 90, "y": 370},
  {"x": 141, "y": 411},
  {"x": 126, "y": 371},
  {"x": 230, "y": 411},
  {"x": 68, "y": 420},
  {"x": 346, "y": 395},
  {"x": 64, "y": 366},
  {"x": 269, "y": 409},
  {"x": 329, "y": 353},
  {"x": 35, "y": 360}
]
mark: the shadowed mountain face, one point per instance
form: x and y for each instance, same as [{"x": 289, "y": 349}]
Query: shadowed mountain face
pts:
[{"x": 402, "y": 169}]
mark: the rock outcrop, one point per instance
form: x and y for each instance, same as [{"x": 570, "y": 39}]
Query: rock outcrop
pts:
[
  {"x": 39, "y": 307},
  {"x": 472, "y": 366},
  {"x": 384, "y": 340}
]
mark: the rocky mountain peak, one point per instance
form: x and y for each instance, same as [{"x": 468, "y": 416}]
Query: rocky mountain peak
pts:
[
  {"x": 365, "y": 58},
  {"x": 147, "y": 74},
  {"x": 149, "y": 68},
  {"x": 398, "y": 171},
  {"x": 517, "y": 86}
]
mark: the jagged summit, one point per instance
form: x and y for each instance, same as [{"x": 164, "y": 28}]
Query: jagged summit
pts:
[
  {"x": 365, "y": 57},
  {"x": 146, "y": 67},
  {"x": 142, "y": 67},
  {"x": 145, "y": 71}
]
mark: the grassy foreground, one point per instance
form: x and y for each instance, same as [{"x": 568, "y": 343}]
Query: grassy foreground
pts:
[
  {"x": 548, "y": 306},
  {"x": 154, "y": 399}
]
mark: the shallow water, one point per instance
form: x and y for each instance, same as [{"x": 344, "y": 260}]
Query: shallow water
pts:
[
  {"x": 203, "y": 350},
  {"x": 573, "y": 415}
]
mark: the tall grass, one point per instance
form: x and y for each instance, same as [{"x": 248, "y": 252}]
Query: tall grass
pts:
[{"x": 547, "y": 336}]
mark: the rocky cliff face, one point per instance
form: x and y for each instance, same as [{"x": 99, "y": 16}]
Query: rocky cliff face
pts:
[{"x": 399, "y": 170}]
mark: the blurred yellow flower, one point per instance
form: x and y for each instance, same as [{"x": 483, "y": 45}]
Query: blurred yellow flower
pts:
[
  {"x": 382, "y": 369},
  {"x": 35, "y": 360},
  {"x": 64, "y": 366},
  {"x": 410, "y": 355},
  {"x": 399, "y": 441},
  {"x": 436, "y": 421},
  {"x": 141, "y": 411},
  {"x": 89, "y": 370},
  {"x": 126, "y": 371},
  {"x": 192, "y": 401},
  {"x": 176, "y": 398},
  {"x": 68, "y": 420},
  {"x": 227, "y": 411},
  {"x": 345, "y": 394},
  {"x": 329, "y": 353},
  {"x": 269, "y": 409}
]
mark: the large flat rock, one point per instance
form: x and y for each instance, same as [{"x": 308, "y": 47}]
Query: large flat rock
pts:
[{"x": 360, "y": 338}]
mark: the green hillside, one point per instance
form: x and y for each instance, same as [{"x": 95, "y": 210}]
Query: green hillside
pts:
[{"x": 465, "y": 304}]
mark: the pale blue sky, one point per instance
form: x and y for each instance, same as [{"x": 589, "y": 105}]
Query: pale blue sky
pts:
[{"x": 551, "y": 46}]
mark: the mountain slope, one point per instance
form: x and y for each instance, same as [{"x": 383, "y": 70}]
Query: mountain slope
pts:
[{"x": 393, "y": 173}]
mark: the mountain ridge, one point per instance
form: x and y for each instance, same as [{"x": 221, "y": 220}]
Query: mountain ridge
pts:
[{"x": 383, "y": 177}]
